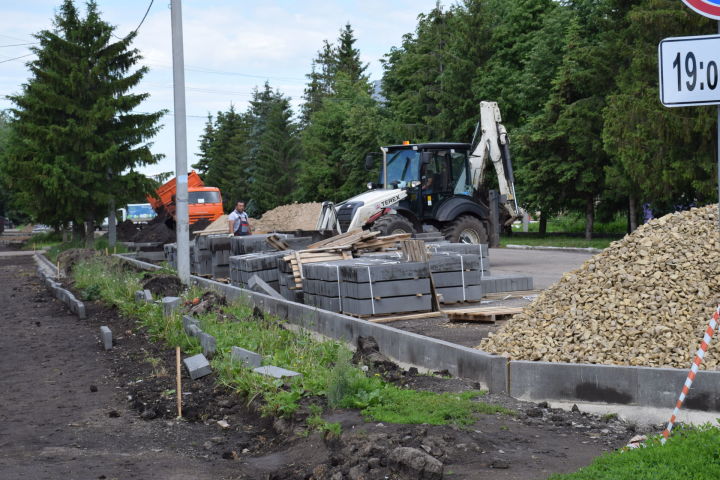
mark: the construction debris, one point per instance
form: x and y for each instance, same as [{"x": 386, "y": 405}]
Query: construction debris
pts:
[{"x": 645, "y": 300}]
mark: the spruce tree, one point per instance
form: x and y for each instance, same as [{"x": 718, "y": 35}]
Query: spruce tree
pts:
[
  {"x": 347, "y": 57},
  {"x": 77, "y": 137}
]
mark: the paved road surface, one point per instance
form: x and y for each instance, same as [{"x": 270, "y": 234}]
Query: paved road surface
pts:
[{"x": 545, "y": 266}]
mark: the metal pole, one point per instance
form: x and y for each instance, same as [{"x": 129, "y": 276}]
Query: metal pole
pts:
[{"x": 181, "y": 195}]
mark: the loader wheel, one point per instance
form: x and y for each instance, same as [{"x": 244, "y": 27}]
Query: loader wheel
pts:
[
  {"x": 465, "y": 229},
  {"x": 392, "y": 224}
]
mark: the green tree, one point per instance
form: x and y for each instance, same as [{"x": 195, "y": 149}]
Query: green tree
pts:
[
  {"x": 76, "y": 137},
  {"x": 276, "y": 158},
  {"x": 223, "y": 162},
  {"x": 662, "y": 156},
  {"x": 320, "y": 81},
  {"x": 348, "y": 125},
  {"x": 347, "y": 57}
]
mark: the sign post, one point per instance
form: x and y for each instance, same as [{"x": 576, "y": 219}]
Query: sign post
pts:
[{"x": 699, "y": 72}]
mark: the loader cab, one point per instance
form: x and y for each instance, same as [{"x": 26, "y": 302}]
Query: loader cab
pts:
[{"x": 431, "y": 173}]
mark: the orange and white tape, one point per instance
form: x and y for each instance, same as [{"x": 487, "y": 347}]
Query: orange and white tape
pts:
[{"x": 707, "y": 338}]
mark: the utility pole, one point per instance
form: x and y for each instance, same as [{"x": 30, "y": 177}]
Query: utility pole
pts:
[{"x": 181, "y": 195}]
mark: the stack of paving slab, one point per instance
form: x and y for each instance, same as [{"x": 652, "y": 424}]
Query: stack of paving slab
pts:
[
  {"x": 491, "y": 283},
  {"x": 252, "y": 244},
  {"x": 264, "y": 265},
  {"x": 458, "y": 277},
  {"x": 286, "y": 280},
  {"x": 368, "y": 286},
  {"x": 201, "y": 256},
  {"x": 220, "y": 255},
  {"x": 258, "y": 243}
]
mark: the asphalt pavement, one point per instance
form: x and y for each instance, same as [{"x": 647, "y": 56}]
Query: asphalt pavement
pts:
[{"x": 545, "y": 266}]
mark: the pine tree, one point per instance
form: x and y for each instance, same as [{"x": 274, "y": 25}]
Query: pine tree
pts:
[
  {"x": 77, "y": 138},
  {"x": 206, "y": 141},
  {"x": 276, "y": 157},
  {"x": 320, "y": 84},
  {"x": 347, "y": 57}
]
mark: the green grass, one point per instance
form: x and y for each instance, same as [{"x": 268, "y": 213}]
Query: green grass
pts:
[
  {"x": 691, "y": 453},
  {"x": 325, "y": 365},
  {"x": 56, "y": 248},
  {"x": 554, "y": 241},
  {"x": 575, "y": 223}
]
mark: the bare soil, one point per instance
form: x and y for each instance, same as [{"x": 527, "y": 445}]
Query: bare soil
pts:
[
  {"x": 71, "y": 410},
  {"x": 295, "y": 216}
]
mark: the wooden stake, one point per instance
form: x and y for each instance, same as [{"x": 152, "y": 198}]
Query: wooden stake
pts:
[{"x": 178, "y": 386}]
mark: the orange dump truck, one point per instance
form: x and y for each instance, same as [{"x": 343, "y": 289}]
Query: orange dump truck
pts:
[{"x": 203, "y": 202}]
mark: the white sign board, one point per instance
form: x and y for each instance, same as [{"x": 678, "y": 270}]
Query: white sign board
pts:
[{"x": 689, "y": 71}]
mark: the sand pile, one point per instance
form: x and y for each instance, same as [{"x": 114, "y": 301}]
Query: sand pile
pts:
[
  {"x": 645, "y": 300},
  {"x": 296, "y": 216}
]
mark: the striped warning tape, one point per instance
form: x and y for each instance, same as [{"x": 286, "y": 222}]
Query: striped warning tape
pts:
[{"x": 707, "y": 338}]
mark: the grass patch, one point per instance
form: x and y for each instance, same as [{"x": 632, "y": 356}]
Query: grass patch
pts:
[
  {"x": 689, "y": 453},
  {"x": 326, "y": 369},
  {"x": 554, "y": 241},
  {"x": 575, "y": 223},
  {"x": 55, "y": 249}
]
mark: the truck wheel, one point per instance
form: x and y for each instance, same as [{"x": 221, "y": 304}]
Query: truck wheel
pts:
[
  {"x": 392, "y": 224},
  {"x": 465, "y": 229}
]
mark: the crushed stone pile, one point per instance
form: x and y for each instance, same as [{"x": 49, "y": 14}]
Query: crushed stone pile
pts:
[
  {"x": 645, "y": 301},
  {"x": 296, "y": 216}
]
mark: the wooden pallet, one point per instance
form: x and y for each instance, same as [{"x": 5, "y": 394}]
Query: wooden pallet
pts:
[
  {"x": 277, "y": 242},
  {"x": 345, "y": 239},
  {"x": 414, "y": 250},
  {"x": 514, "y": 294},
  {"x": 481, "y": 314},
  {"x": 381, "y": 243}
]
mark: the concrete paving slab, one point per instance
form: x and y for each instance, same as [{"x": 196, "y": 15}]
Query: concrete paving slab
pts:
[
  {"x": 385, "y": 306},
  {"x": 208, "y": 344},
  {"x": 257, "y": 284},
  {"x": 188, "y": 321},
  {"x": 245, "y": 357},
  {"x": 106, "y": 337},
  {"x": 471, "y": 293},
  {"x": 170, "y": 305},
  {"x": 197, "y": 366},
  {"x": 276, "y": 372}
]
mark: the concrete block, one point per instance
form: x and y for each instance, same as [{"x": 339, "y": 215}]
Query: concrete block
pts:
[
  {"x": 188, "y": 321},
  {"x": 208, "y": 344},
  {"x": 139, "y": 296},
  {"x": 148, "y": 295},
  {"x": 457, "y": 278},
  {"x": 573, "y": 382},
  {"x": 364, "y": 272},
  {"x": 193, "y": 331},
  {"x": 450, "y": 262},
  {"x": 197, "y": 366},
  {"x": 80, "y": 309},
  {"x": 275, "y": 372},
  {"x": 388, "y": 305},
  {"x": 246, "y": 357},
  {"x": 481, "y": 250},
  {"x": 106, "y": 336},
  {"x": 170, "y": 304},
  {"x": 393, "y": 288},
  {"x": 471, "y": 293},
  {"x": 257, "y": 284}
]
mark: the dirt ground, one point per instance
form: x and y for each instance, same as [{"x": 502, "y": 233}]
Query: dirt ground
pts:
[
  {"x": 295, "y": 216},
  {"x": 71, "y": 410}
]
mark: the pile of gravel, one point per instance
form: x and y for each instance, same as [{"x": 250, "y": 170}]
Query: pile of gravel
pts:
[{"x": 645, "y": 300}]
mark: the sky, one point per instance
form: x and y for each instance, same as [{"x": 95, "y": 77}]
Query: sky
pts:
[{"x": 230, "y": 47}]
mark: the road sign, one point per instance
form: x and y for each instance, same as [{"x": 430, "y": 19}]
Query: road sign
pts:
[
  {"x": 709, "y": 8},
  {"x": 690, "y": 70}
]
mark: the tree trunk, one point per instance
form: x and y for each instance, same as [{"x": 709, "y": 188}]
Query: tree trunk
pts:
[
  {"x": 112, "y": 232},
  {"x": 542, "y": 228},
  {"x": 90, "y": 232},
  {"x": 589, "y": 217},
  {"x": 65, "y": 233},
  {"x": 78, "y": 232},
  {"x": 632, "y": 209}
]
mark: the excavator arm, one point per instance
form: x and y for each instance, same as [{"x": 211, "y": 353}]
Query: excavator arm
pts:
[{"x": 493, "y": 146}]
